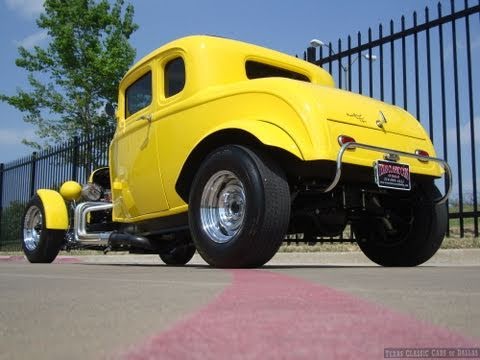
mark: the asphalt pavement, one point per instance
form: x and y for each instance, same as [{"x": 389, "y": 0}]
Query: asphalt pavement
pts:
[{"x": 298, "y": 306}]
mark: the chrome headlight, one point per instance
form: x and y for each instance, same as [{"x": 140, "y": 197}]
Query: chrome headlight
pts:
[{"x": 92, "y": 192}]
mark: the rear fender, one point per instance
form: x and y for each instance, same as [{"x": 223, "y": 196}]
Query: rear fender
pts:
[
  {"x": 268, "y": 133},
  {"x": 56, "y": 214}
]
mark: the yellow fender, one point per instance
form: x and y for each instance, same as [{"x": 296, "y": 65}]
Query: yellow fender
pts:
[
  {"x": 268, "y": 133},
  {"x": 56, "y": 214}
]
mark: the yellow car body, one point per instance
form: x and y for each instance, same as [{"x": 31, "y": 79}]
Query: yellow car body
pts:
[
  {"x": 152, "y": 146},
  {"x": 226, "y": 148}
]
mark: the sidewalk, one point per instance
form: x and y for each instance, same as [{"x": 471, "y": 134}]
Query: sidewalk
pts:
[{"x": 460, "y": 257}]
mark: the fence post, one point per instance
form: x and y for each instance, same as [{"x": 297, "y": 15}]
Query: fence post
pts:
[
  {"x": 311, "y": 54},
  {"x": 33, "y": 173},
  {"x": 2, "y": 169},
  {"x": 75, "y": 158}
]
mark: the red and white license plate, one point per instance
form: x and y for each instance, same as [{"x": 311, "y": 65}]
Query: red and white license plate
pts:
[{"x": 392, "y": 175}]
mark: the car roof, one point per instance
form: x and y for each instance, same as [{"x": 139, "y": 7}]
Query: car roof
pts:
[{"x": 217, "y": 44}]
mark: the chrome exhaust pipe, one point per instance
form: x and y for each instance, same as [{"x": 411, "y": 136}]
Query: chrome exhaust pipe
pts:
[
  {"x": 109, "y": 239},
  {"x": 80, "y": 224}
]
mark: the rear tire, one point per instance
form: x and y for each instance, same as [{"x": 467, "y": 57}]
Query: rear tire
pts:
[
  {"x": 40, "y": 245},
  {"x": 416, "y": 235},
  {"x": 239, "y": 208}
]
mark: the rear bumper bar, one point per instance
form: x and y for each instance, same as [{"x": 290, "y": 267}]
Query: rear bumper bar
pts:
[{"x": 355, "y": 145}]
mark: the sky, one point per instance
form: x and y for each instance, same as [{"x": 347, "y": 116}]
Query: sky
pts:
[{"x": 286, "y": 26}]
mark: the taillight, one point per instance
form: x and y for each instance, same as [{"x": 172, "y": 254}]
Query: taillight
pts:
[
  {"x": 344, "y": 139},
  {"x": 422, "y": 153}
]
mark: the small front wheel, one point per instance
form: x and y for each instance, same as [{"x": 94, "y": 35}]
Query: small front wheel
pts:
[
  {"x": 239, "y": 208},
  {"x": 181, "y": 252},
  {"x": 40, "y": 245}
]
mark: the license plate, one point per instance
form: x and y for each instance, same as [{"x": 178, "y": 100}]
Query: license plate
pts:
[{"x": 392, "y": 175}]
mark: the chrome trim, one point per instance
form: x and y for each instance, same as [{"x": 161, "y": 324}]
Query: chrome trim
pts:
[
  {"x": 391, "y": 157},
  {"x": 32, "y": 228},
  {"x": 354, "y": 145},
  {"x": 80, "y": 224},
  {"x": 382, "y": 121},
  {"x": 417, "y": 152},
  {"x": 223, "y": 206}
]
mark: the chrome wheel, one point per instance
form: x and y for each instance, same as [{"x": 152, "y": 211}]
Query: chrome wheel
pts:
[
  {"x": 238, "y": 208},
  {"x": 222, "y": 206},
  {"x": 40, "y": 244},
  {"x": 32, "y": 228}
]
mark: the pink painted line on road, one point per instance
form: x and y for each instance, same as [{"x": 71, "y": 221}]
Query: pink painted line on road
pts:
[
  {"x": 17, "y": 258},
  {"x": 264, "y": 315}
]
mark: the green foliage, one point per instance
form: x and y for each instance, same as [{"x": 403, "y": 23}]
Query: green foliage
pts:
[
  {"x": 11, "y": 226},
  {"x": 79, "y": 71}
]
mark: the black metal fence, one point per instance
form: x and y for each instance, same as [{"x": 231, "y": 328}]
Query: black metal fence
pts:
[
  {"x": 19, "y": 179},
  {"x": 428, "y": 66}
]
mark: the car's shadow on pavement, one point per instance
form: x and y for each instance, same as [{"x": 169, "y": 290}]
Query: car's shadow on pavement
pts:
[{"x": 266, "y": 267}]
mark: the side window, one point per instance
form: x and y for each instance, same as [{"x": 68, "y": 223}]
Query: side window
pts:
[
  {"x": 174, "y": 77},
  {"x": 257, "y": 70},
  {"x": 138, "y": 95}
]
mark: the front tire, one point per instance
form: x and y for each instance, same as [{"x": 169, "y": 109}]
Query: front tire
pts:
[
  {"x": 415, "y": 233},
  {"x": 40, "y": 245},
  {"x": 181, "y": 252},
  {"x": 239, "y": 208}
]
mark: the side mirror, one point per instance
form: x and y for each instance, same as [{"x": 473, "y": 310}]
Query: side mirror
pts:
[{"x": 110, "y": 109}]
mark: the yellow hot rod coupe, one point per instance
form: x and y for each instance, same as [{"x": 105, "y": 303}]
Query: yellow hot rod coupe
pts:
[{"x": 227, "y": 148}]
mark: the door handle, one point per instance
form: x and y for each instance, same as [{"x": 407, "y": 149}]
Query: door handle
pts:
[{"x": 146, "y": 117}]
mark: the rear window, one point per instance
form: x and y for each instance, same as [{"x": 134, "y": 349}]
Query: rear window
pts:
[
  {"x": 258, "y": 70},
  {"x": 174, "y": 77}
]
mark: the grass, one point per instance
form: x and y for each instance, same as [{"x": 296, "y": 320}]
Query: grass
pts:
[
  {"x": 448, "y": 243},
  {"x": 320, "y": 247},
  {"x": 468, "y": 228},
  {"x": 457, "y": 243}
]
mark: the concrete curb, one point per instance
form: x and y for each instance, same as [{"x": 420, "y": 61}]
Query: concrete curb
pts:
[
  {"x": 451, "y": 257},
  {"x": 460, "y": 257}
]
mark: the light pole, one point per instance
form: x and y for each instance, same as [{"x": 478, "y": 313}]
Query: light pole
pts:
[{"x": 319, "y": 43}]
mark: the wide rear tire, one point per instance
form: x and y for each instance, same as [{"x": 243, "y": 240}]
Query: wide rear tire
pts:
[
  {"x": 239, "y": 208},
  {"x": 40, "y": 245},
  {"x": 419, "y": 227}
]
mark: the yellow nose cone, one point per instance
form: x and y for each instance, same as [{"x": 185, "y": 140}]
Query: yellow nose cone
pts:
[{"x": 71, "y": 190}]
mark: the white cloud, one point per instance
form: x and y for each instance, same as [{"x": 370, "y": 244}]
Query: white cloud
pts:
[
  {"x": 465, "y": 135},
  {"x": 32, "y": 40},
  {"x": 15, "y": 136},
  {"x": 465, "y": 148},
  {"x": 11, "y": 147},
  {"x": 476, "y": 43},
  {"x": 27, "y": 8}
]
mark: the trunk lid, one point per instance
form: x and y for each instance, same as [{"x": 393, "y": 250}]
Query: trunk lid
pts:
[{"x": 353, "y": 109}]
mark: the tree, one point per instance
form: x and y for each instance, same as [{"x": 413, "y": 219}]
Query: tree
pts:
[
  {"x": 11, "y": 223},
  {"x": 78, "y": 72}
]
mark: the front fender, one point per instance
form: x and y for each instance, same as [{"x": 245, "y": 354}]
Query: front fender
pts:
[
  {"x": 56, "y": 214},
  {"x": 266, "y": 132}
]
